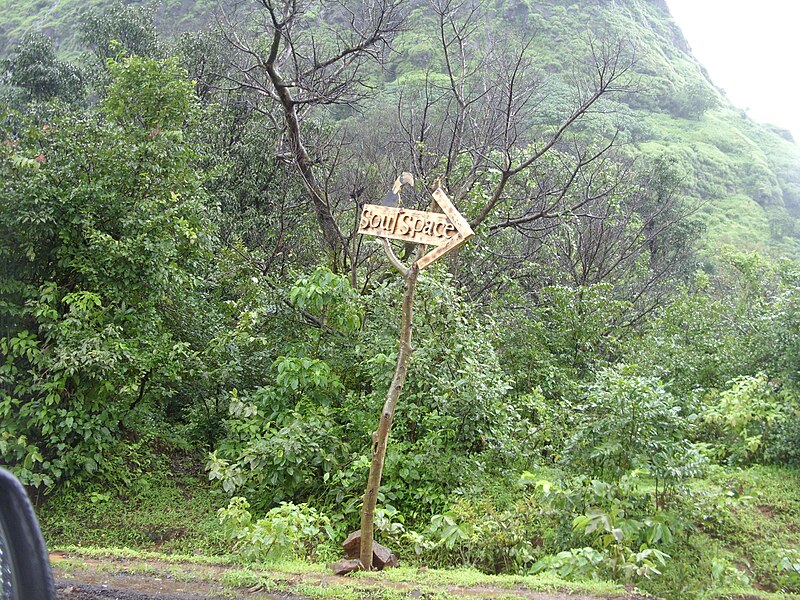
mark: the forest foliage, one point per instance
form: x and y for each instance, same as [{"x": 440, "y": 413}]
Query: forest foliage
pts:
[{"x": 180, "y": 273}]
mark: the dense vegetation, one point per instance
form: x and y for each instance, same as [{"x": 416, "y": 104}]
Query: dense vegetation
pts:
[{"x": 604, "y": 381}]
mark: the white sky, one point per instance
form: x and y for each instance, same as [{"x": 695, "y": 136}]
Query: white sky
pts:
[{"x": 751, "y": 50}]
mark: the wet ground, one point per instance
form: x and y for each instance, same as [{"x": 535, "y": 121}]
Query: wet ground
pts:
[
  {"x": 85, "y": 578},
  {"x": 71, "y": 590},
  {"x": 123, "y": 587}
]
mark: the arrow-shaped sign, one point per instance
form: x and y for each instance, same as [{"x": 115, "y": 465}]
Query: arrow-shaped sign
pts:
[
  {"x": 464, "y": 231},
  {"x": 447, "y": 230}
]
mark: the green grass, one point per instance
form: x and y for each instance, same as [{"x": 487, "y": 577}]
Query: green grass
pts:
[
  {"x": 171, "y": 510},
  {"x": 734, "y": 519},
  {"x": 741, "y": 518},
  {"x": 467, "y": 577},
  {"x": 112, "y": 552}
]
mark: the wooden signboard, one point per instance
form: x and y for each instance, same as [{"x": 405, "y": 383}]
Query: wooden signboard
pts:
[
  {"x": 432, "y": 229},
  {"x": 446, "y": 230}
]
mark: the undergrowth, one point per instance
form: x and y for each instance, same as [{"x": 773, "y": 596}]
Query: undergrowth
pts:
[
  {"x": 171, "y": 509},
  {"x": 734, "y": 532}
]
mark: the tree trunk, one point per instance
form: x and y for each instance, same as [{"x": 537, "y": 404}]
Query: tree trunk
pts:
[
  {"x": 381, "y": 436},
  {"x": 331, "y": 234}
]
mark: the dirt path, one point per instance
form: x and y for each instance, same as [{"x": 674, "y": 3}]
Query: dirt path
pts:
[
  {"x": 131, "y": 588},
  {"x": 81, "y": 578}
]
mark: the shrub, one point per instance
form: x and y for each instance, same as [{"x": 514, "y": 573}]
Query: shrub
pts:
[
  {"x": 286, "y": 531},
  {"x": 741, "y": 418},
  {"x": 617, "y": 521},
  {"x": 628, "y": 422}
]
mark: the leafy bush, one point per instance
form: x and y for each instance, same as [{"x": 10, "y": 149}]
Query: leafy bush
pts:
[
  {"x": 787, "y": 561},
  {"x": 103, "y": 234},
  {"x": 577, "y": 563},
  {"x": 742, "y": 417},
  {"x": 477, "y": 534},
  {"x": 625, "y": 542},
  {"x": 456, "y": 389},
  {"x": 629, "y": 422},
  {"x": 286, "y": 531},
  {"x": 726, "y": 575},
  {"x": 617, "y": 520},
  {"x": 276, "y": 451},
  {"x": 37, "y": 74}
]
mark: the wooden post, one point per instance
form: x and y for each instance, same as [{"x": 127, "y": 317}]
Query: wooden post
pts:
[{"x": 381, "y": 436}]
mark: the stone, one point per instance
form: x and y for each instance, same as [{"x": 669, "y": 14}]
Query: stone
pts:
[
  {"x": 352, "y": 545},
  {"x": 381, "y": 555},
  {"x": 343, "y": 567}
]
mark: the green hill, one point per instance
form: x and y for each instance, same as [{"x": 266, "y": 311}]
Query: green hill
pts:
[{"x": 746, "y": 174}]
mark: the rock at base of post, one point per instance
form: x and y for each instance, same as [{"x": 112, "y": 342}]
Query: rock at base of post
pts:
[
  {"x": 381, "y": 555},
  {"x": 343, "y": 567}
]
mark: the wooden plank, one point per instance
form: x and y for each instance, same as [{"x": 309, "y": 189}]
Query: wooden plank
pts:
[
  {"x": 447, "y": 230},
  {"x": 431, "y": 229},
  {"x": 452, "y": 213},
  {"x": 462, "y": 226},
  {"x": 453, "y": 244}
]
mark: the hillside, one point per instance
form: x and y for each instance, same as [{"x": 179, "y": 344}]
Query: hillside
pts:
[
  {"x": 57, "y": 19},
  {"x": 745, "y": 175}
]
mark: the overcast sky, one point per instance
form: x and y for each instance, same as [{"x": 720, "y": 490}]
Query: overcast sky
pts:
[{"x": 751, "y": 50}]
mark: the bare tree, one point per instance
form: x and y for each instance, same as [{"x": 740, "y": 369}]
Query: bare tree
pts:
[
  {"x": 301, "y": 55},
  {"x": 618, "y": 222}
]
